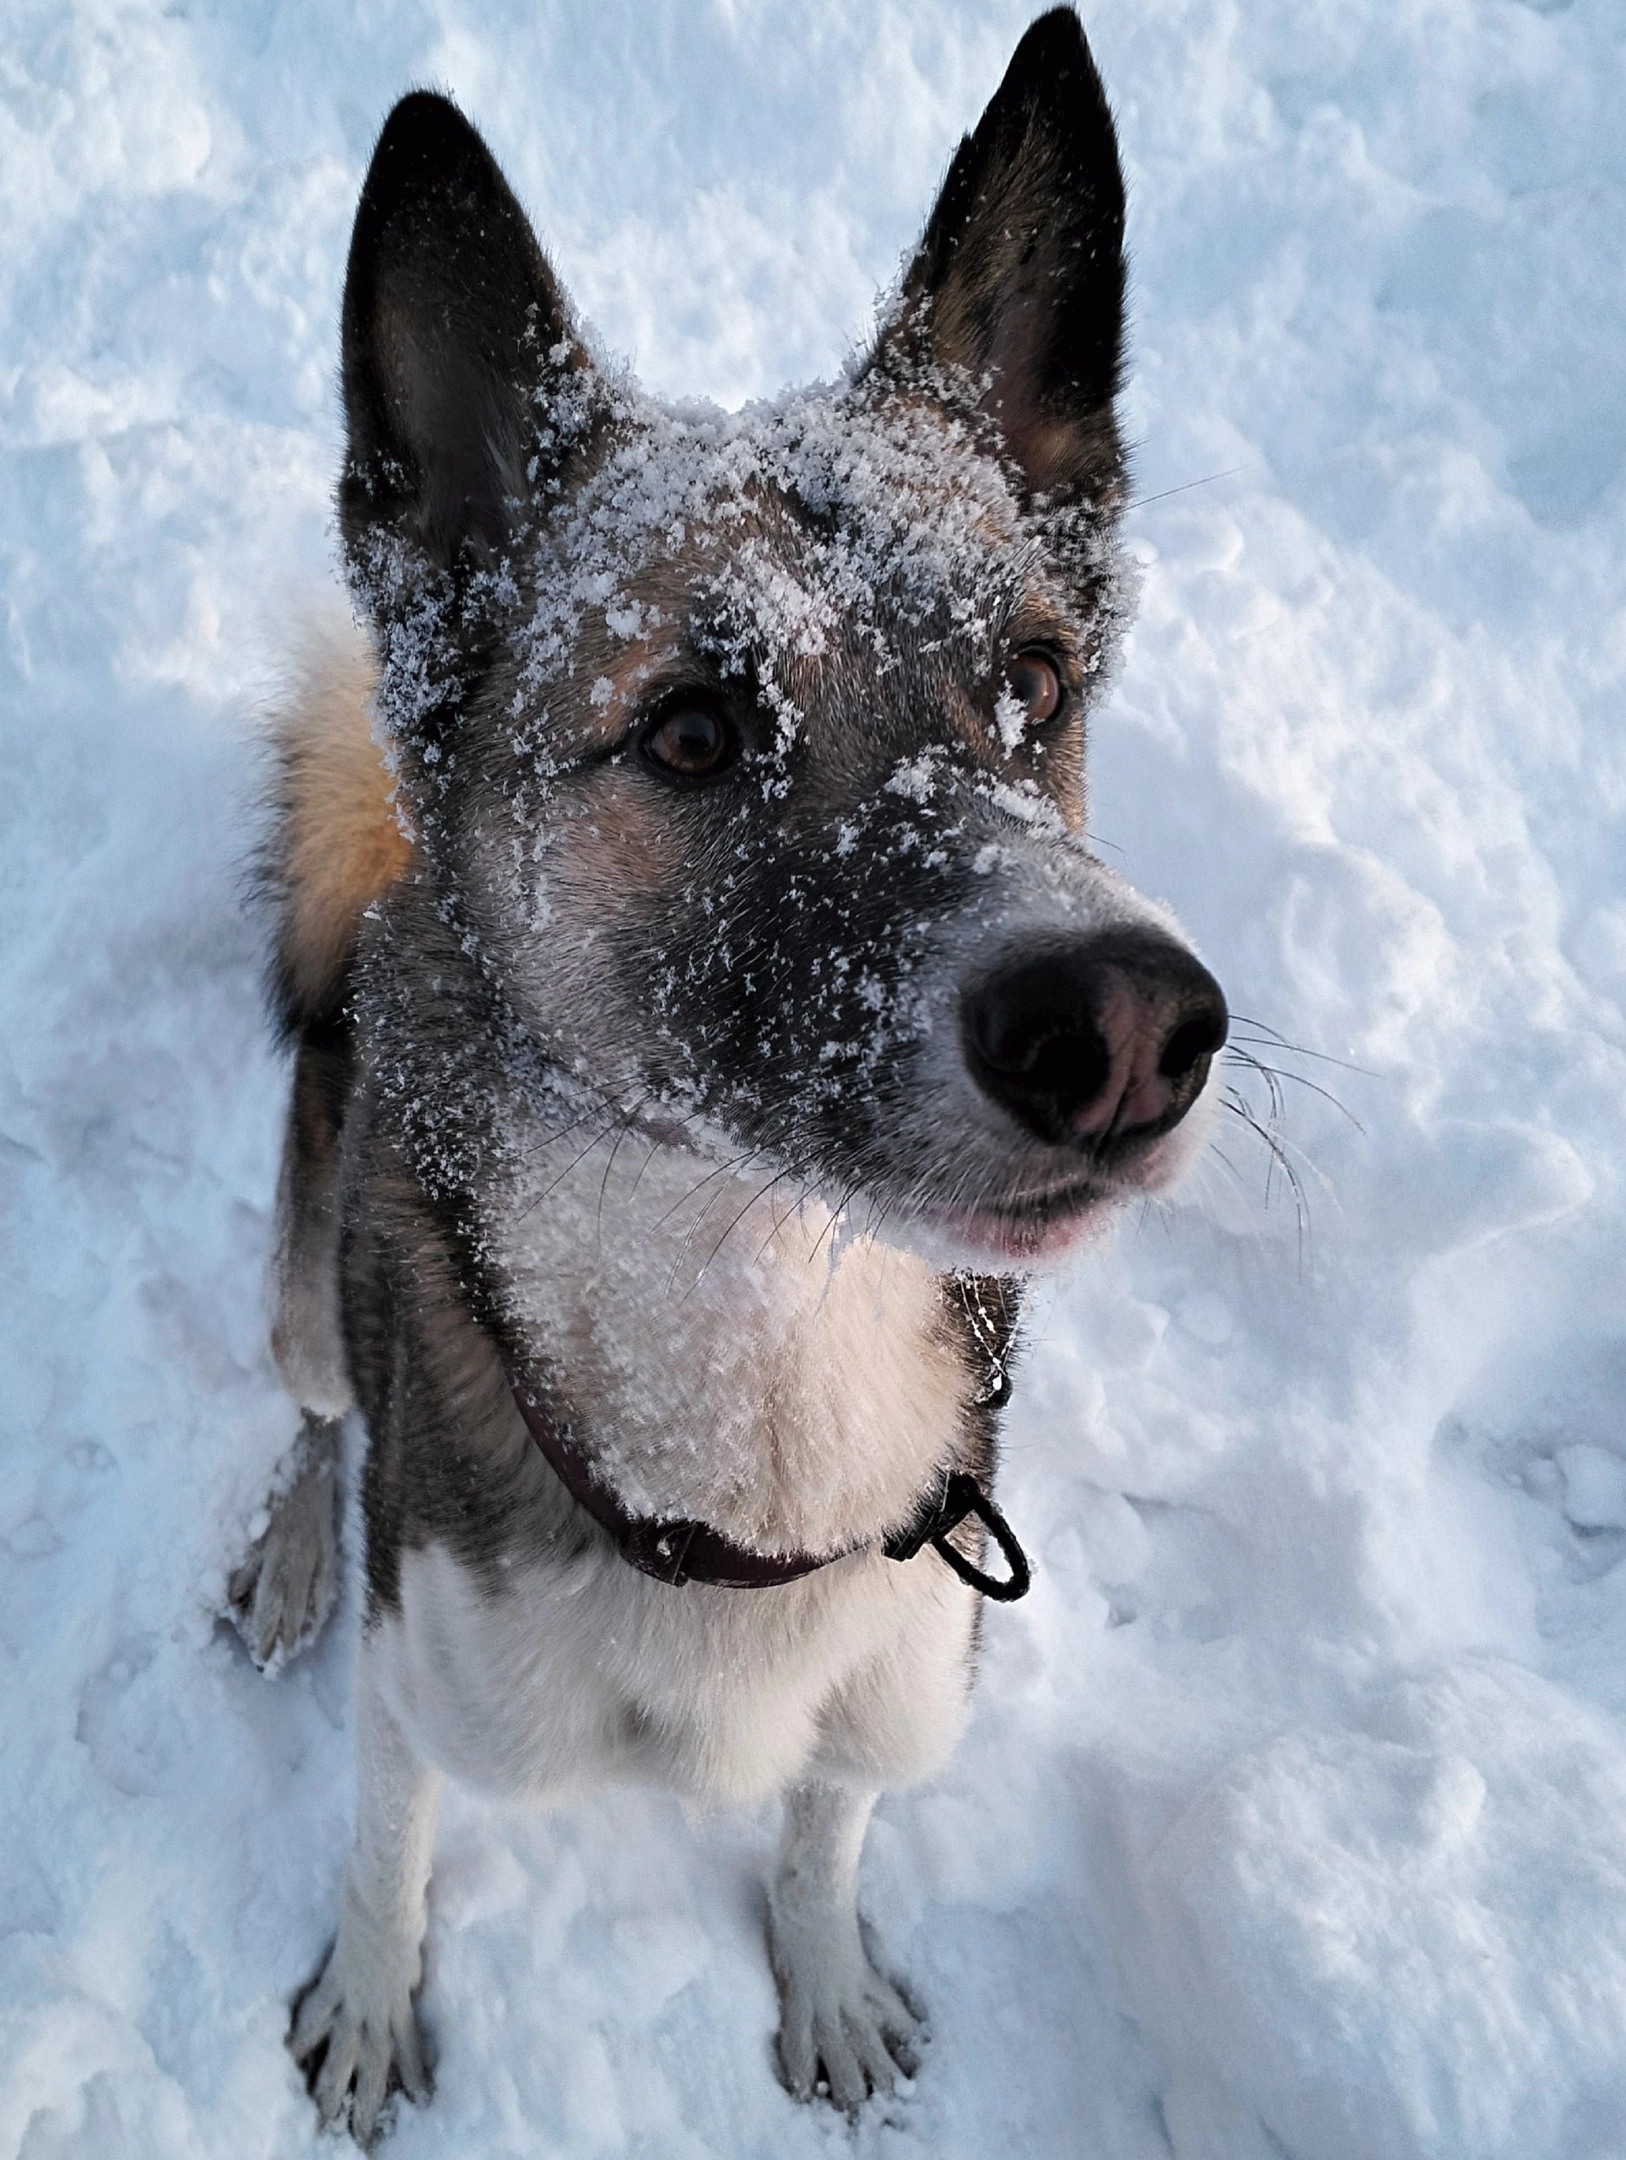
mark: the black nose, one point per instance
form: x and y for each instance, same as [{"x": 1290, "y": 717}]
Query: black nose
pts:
[{"x": 1096, "y": 1044}]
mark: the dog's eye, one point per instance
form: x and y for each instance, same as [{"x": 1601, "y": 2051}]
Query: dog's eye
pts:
[
  {"x": 1033, "y": 681},
  {"x": 692, "y": 741}
]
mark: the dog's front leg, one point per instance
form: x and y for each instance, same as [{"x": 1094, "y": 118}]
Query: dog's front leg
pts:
[
  {"x": 356, "y": 2027},
  {"x": 283, "y": 1590},
  {"x": 839, "y": 2019}
]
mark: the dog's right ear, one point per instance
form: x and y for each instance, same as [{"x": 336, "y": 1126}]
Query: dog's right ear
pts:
[
  {"x": 1014, "y": 301},
  {"x": 463, "y": 375}
]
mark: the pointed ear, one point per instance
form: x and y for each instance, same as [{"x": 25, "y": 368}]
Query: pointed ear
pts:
[
  {"x": 455, "y": 334},
  {"x": 1018, "y": 284}
]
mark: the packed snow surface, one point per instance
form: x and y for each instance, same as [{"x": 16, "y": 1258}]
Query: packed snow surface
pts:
[{"x": 1292, "y": 1819}]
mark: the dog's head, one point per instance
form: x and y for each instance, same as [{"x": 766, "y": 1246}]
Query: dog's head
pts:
[{"x": 746, "y": 753}]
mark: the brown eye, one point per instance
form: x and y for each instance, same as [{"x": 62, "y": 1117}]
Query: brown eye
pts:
[
  {"x": 1032, "y": 680},
  {"x": 692, "y": 741}
]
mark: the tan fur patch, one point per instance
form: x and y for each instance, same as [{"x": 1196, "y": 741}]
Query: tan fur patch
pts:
[{"x": 341, "y": 844}]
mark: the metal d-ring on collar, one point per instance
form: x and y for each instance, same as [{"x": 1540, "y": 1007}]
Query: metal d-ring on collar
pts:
[{"x": 680, "y": 1551}]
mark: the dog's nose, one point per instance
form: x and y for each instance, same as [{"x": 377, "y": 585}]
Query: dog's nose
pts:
[{"x": 1097, "y": 1044}]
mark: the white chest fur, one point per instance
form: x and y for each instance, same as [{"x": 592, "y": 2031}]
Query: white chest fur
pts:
[
  {"x": 731, "y": 1355},
  {"x": 578, "y": 1674},
  {"x": 731, "y": 1360}
]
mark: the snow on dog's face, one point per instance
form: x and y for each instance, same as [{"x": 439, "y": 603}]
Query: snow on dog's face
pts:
[{"x": 746, "y": 753}]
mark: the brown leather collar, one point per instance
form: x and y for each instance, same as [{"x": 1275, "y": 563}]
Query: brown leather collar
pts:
[{"x": 678, "y": 1551}]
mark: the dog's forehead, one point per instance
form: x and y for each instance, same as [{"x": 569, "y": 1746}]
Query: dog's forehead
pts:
[{"x": 781, "y": 534}]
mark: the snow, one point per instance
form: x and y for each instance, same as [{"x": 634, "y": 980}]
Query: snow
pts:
[{"x": 1293, "y": 1814}]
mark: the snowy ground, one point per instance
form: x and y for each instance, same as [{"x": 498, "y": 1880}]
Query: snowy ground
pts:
[{"x": 1293, "y": 1816}]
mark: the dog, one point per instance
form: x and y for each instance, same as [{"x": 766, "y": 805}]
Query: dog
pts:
[{"x": 706, "y": 1011}]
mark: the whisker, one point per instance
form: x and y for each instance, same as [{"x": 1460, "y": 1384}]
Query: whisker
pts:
[
  {"x": 687, "y": 1117},
  {"x": 1221, "y": 1157},
  {"x": 604, "y": 1182},
  {"x": 561, "y": 1132},
  {"x": 836, "y": 1213},
  {"x": 761, "y": 1193},
  {"x": 1139, "y": 502},
  {"x": 1273, "y": 1075},
  {"x": 1273, "y": 1039},
  {"x": 1270, "y": 1077},
  {"x": 1279, "y": 1158},
  {"x": 700, "y": 1184},
  {"x": 608, "y": 1126}
]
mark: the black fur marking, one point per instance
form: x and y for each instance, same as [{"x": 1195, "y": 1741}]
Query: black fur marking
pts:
[
  {"x": 984, "y": 1313},
  {"x": 324, "y": 1068},
  {"x": 448, "y": 1460}
]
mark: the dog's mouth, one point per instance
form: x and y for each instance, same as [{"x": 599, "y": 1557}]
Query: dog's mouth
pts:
[
  {"x": 1005, "y": 1227},
  {"x": 1010, "y": 1228},
  {"x": 1028, "y": 1227},
  {"x": 1009, "y": 1223}
]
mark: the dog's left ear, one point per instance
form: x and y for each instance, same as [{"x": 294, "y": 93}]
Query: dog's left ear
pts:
[
  {"x": 1017, "y": 289},
  {"x": 463, "y": 374}
]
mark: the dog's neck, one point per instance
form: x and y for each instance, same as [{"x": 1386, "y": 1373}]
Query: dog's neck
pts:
[{"x": 726, "y": 1351}]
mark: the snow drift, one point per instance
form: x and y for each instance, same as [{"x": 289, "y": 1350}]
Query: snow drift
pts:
[{"x": 1293, "y": 1816}]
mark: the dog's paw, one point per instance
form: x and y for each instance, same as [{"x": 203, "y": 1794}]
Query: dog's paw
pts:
[
  {"x": 355, "y": 2034},
  {"x": 282, "y": 1593},
  {"x": 844, "y": 2031}
]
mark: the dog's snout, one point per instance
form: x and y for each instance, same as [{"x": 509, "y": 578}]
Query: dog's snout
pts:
[{"x": 1097, "y": 1044}]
